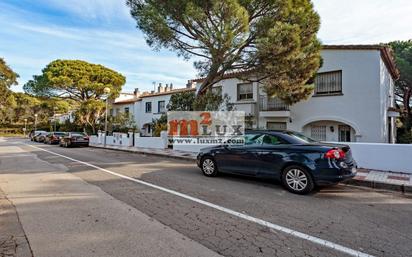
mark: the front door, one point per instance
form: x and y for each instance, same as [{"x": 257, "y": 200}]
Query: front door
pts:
[{"x": 344, "y": 133}]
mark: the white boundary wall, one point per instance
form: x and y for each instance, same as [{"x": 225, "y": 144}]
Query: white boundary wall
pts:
[
  {"x": 190, "y": 148},
  {"x": 151, "y": 142},
  {"x": 387, "y": 157}
]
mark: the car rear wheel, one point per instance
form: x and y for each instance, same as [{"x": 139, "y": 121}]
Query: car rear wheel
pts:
[
  {"x": 297, "y": 180},
  {"x": 208, "y": 166}
]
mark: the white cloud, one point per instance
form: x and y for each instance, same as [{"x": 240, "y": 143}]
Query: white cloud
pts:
[
  {"x": 107, "y": 10},
  {"x": 30, "y": 44},
  {"x": 364, "y": 22},
  {"x": 102, "y": 31}
]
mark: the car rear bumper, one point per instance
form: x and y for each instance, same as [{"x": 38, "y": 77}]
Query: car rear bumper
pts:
[
  {"x": 334, "y": 176},
  {"x": 80, "y": 143}
]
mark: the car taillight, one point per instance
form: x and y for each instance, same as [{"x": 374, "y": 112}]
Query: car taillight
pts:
[{"x": 335, "y": 154}]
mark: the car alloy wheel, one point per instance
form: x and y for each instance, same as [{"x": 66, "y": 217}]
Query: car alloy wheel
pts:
[
  {"x": 209, "y": 167},
  {"x": 297, "y": 180}
]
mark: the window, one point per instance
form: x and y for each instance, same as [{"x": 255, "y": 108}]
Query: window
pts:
[
  {"x": 161, "y": 107},
  {"x": 251, "y": 139},
  {"x": 244, "y": 91},
  {"x": 149, "y": 107},
  {"x": 276, "y": 125},
  {"x": 126, "y": 110},
  {"x": 344, "y": 133},
  {"x": 328, "y": 83},
  {"x": 318, "y": 132},
  {"x": 272, "y": 140},
  {"x": 217, "y": 90},
  {"x": 111, "y": 112}
]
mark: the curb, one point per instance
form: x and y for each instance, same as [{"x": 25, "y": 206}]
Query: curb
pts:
[
  {"x": 185, "y": 158},
  {"x": 380, "y": 185}
]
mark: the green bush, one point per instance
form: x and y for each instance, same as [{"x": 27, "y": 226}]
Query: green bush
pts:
[{"x": 404, "y": 137}]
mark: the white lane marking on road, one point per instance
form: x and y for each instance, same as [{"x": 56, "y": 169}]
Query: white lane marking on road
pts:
[{"x": 286, "y": 230}]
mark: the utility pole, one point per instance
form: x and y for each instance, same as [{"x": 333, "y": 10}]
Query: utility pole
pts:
[
  {"x": 25, "y": 127},
  {"x": 54, "y": 117},
  {"x": 107, "y": 92},
  {"x": 35, "y": 122}
]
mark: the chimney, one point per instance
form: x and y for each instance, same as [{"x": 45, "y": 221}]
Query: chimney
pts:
[
  {"x": 160, "y": 88},
  {"x": 190, "y": 84},
  {"x": 136, "y": 92},
  {"x": 171, "y": 86},
  {"x": 167, "y": 88}
]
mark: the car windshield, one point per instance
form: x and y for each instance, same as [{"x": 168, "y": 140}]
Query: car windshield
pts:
[
  {"x": 78, "y": 134},
  {"x": 301, "y": 138},
  {"x": 59, "y": 133}
]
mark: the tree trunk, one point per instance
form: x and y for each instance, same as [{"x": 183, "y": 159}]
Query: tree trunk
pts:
[{"x": 407, "y": 109}]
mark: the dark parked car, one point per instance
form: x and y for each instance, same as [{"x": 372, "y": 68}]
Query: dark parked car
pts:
[
  {"x": 74, "y": 139},
  {"x": 34, "y": 133},
  {"x": 39, "y": 137},
  {"x": 299, "y": 162},
  {"x": 53, "y": 137}
]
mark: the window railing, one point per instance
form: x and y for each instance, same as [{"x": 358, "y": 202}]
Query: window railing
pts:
[
  {"x": 272, "y": 104},
  {"x": 328, "y": 83}
]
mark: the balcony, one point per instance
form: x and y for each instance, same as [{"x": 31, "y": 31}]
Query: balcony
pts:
[{"x": 273, "y": 107}]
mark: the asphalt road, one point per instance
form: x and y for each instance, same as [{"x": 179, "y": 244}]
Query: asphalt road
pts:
[{"x": 378, "y": 223}]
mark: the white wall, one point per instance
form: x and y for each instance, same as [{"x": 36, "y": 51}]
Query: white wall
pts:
[
  {"x": 120, "y": 108},
  {"x": 141, "y": 116},
  {"x": 190, "y": 148},
  {"x": 151, "y": 142},
  {"x": 366, "y": 86},
  {"x": 388, "y": 157},
  {"x": 360, "y": 104},
  {"x": 229, "y": 88}
]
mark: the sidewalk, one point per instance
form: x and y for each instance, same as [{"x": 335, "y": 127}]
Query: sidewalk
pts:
[
  {"x": 371, "y": 178},
  {"x": 383, "y": 179},
  {"x": 13, "y": 241},
  {"x": 62, "y": 215}
]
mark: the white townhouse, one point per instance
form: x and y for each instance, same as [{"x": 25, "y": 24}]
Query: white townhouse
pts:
[
  {"x": 124, "y": 103},
  {"x": 353, "y": 98},
  {"x": 147, "y": 106}
]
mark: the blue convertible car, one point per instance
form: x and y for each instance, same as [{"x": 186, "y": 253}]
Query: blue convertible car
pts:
[{"x": 299, "y": 162}]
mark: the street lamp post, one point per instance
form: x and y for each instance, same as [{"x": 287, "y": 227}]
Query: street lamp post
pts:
[
  {"x": 107, "y": 92},
  {"x": 54, "y": 117},
  {"x": 35, "y": 122}
]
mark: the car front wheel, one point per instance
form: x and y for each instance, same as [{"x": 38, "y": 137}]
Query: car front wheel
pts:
[
  {"x": 297, "y": 180},
  {"x": 208, "y": 166}
]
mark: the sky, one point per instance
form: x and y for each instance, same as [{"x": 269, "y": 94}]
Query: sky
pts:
[{"x": 34, "y": 33}]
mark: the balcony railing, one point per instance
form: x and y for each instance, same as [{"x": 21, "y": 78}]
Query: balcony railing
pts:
[{"x": 272, "y": 104}]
